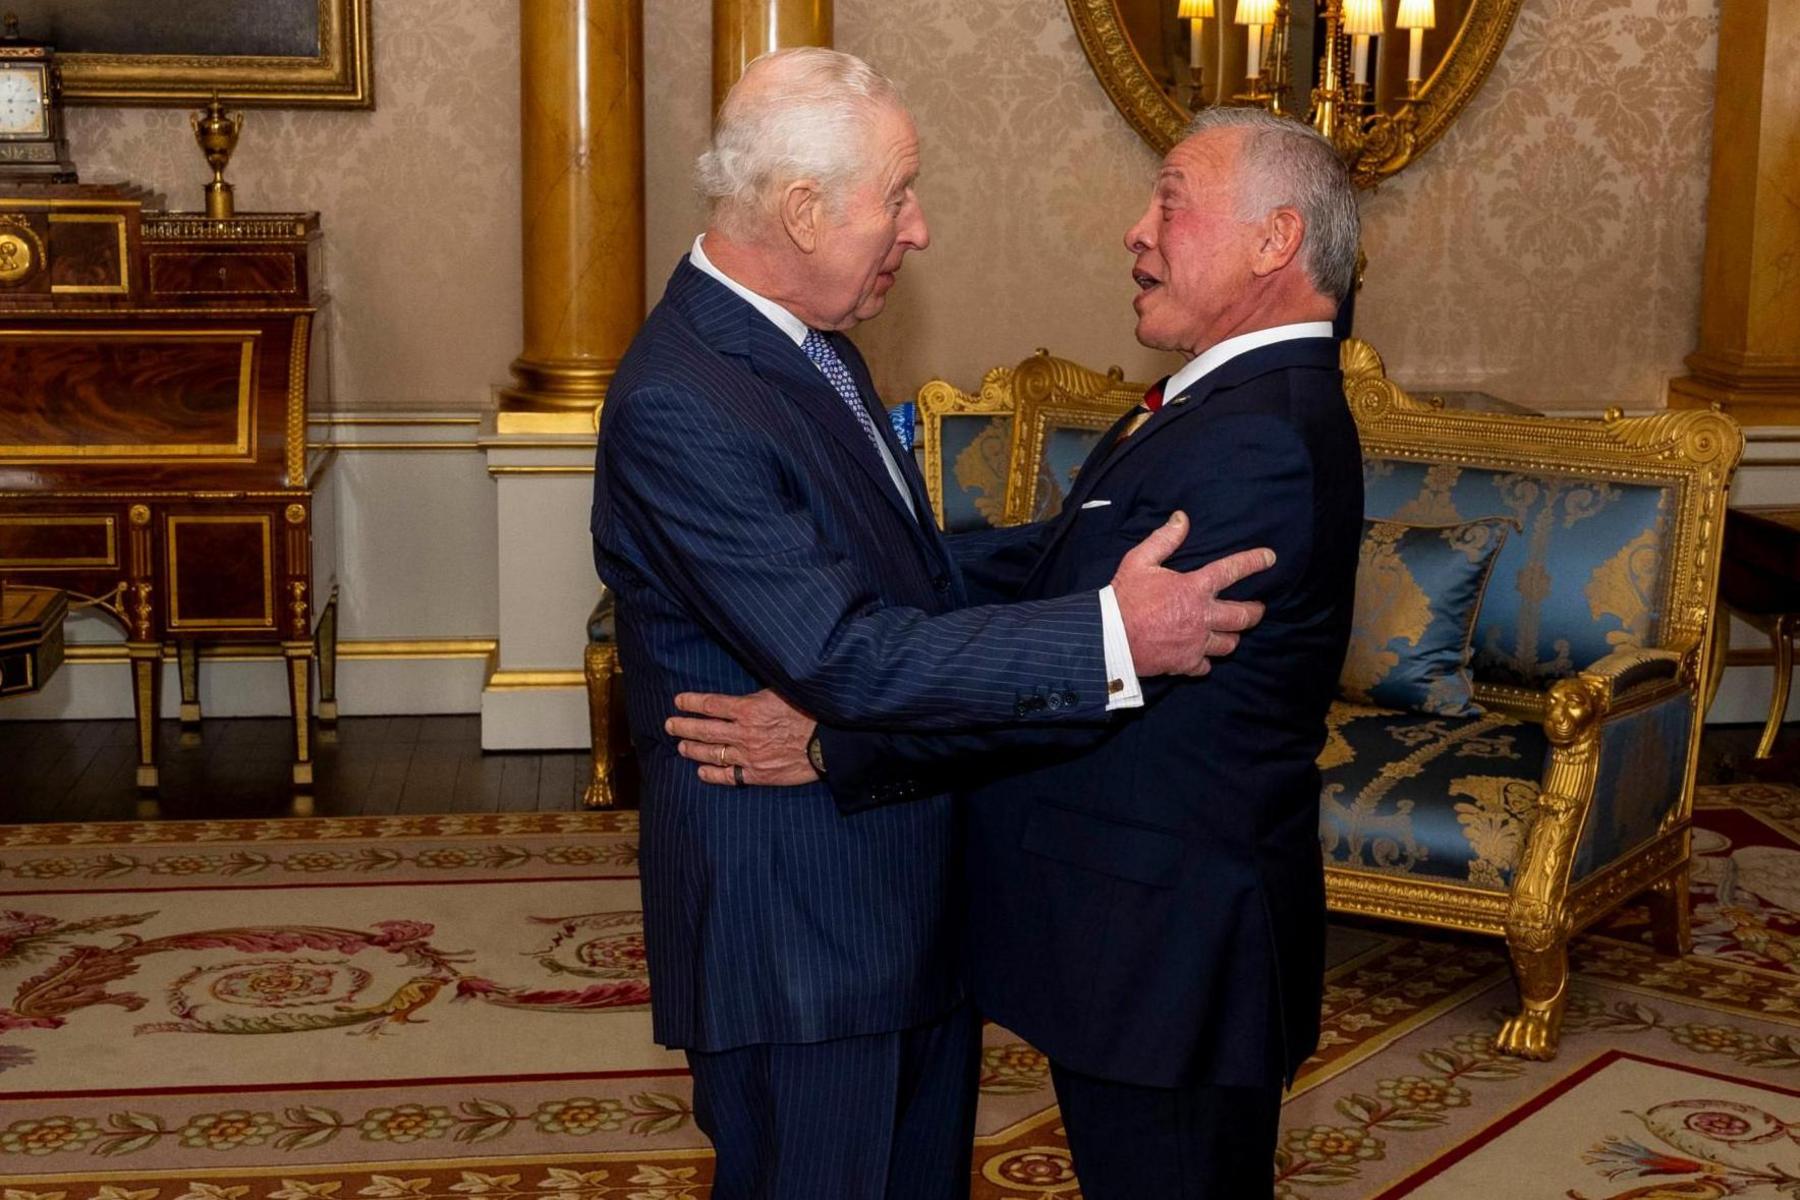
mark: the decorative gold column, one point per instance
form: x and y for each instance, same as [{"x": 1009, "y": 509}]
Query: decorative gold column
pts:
[
  {"x": 581, "y": 118},
  {"x": 746, "y": 29},
  {"x": 1749, "y": 355}
]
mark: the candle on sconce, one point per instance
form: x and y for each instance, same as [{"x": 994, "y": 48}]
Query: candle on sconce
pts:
[
  {"x": 1255, "y": 14},
  {"x": 1416, "y": 16},
  {"x": 1194, "y": 12},
  {"x": 1362, "y": 20}
]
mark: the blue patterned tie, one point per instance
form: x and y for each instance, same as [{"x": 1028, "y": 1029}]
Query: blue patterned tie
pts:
[{"x": 838, "y": 375}]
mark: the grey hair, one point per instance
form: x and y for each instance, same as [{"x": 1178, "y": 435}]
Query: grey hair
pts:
[
  {"x": 811, "y": 124},
  {"x": 1290, "y": 164}
]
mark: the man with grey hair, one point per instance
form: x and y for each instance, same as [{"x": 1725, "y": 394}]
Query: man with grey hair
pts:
[
  {"x": 760, "y": 526},
  {"x": 1146, "y": 893}
]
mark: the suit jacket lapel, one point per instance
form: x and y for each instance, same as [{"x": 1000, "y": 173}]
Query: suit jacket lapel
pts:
[
  {"x": 909, "y": 467},
  {"x": 1106, "y": 457},
  {"x": 1303, "y": 352},
  {"x": 731, "y": 326}
]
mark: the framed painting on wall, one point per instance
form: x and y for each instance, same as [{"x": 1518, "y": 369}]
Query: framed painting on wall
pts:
[{"x": 286, "y": 53}]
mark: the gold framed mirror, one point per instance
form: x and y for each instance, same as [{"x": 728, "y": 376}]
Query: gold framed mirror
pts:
[{"x": 1382, "y": 78}]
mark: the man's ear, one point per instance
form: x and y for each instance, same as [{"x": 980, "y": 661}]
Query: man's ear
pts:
[
  {"x": 803, "y": 213},
  {"x": 1282, "y": 232}
]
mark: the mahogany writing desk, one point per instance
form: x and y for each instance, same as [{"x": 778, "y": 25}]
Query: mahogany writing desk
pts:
[{"x": 154, "y": 376}]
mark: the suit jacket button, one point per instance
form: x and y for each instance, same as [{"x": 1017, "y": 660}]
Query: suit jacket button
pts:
[
  {"x": 1022, "y": 707},
  {"x": 1069, "y": 699},
  {"x": 941, "y": 583},
  {"x": 1054, "y": 700}
]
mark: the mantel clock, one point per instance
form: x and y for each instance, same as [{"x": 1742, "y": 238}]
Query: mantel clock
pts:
[{"x": 32, "y": 146}]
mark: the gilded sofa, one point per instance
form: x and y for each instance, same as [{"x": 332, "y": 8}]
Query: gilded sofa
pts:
[{"x": 1573, "y": 791}]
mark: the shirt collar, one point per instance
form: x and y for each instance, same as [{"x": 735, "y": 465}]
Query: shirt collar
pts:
[
  {"x": 1216, "y": 356},
  {"x": 782, "y": 319}
]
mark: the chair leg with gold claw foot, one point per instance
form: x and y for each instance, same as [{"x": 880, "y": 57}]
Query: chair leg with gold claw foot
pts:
[{"x": 600, "y": 664}]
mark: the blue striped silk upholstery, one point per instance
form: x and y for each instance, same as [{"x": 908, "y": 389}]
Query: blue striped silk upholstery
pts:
[
  {"x": 754, "y": 539},
  {"x": 1583, "y": 576}
]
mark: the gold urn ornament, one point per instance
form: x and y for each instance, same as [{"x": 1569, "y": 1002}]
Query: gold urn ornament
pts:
[{"x": 217, "y": 132}]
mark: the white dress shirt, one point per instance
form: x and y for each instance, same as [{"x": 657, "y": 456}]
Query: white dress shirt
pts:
[
  {"x": 1122, "y": 690},
  {"x": 1216, "y": 356},
  {"x": 795, "y": 328}
]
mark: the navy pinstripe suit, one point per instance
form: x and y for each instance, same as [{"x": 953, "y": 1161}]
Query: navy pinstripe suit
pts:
[{"x": 754, "y": 539}]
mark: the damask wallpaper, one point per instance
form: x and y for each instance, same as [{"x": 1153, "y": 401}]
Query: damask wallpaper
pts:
[
  {"x": 419, "y": 200},
  {"x": 1548, "y": 250}
]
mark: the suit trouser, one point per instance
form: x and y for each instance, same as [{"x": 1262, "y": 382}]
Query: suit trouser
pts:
[
  {"x": 889, "y": 1116},
  {"x": 1188, "y": 1143}
]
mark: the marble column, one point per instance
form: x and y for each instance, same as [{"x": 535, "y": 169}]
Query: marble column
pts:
[
  {"x": 745, "y": 29},
  {"x": 1749, "y": 356},
  {"x": 582, "y": 199}
]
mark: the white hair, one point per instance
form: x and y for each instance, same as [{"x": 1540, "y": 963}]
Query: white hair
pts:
[
  {"x": 811, "y": 121},
  {"x": 1289, "y": 164}
]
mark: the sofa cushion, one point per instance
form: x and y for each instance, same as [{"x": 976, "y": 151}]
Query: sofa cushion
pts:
[
  {"x": 1418, "y": 590},
  {"x": 1444, "y": 798},
  {"x": 1586, "y": 574}
]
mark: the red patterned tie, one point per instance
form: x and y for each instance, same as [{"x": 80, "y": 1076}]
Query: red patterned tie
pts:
[{"x": 1154, "y": 397}]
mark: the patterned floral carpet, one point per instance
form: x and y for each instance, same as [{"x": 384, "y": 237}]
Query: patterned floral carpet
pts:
[{"x": 455, "y": 1007}]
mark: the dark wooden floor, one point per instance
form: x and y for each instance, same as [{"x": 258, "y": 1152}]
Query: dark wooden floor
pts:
[{"x": 85, "y": 770}]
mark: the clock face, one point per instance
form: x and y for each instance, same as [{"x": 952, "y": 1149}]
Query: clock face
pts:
[{"x": 21, "y": 102}]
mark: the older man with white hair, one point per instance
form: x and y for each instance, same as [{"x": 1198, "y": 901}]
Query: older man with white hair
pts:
[{"x": 762, "y": 528}]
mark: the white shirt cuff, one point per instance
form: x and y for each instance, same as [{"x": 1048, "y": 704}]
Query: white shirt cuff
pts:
[{"x": 1122, "y": 689}]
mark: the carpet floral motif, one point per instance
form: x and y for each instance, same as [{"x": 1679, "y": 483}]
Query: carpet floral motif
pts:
[
  {"x": 320, "y": 829},
  {"x": 1405, "y": 1068},
  {"x": 631, "y": 1181},
  {"x": 367, "y": 859},
  {"x": 1449, "y": 1076},
  {"x": 291, "y": 979},
  {"x": 219, "y": 1130},
  {"x": 1731, "y": 1149}
]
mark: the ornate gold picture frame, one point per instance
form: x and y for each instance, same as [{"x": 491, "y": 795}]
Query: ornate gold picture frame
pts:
[
  {"x": 287, "y": 53},
  {"x": 1061, "y": 410},
  {"x": 1160, "y": 118}
]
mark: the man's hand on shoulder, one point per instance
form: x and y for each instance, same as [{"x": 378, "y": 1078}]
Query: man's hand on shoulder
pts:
[
  {"x": 1176, "y": 622},
  {"x": 757, "y": 740}
]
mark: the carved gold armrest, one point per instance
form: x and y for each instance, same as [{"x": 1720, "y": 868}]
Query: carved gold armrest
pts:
[
  {"x": 1628, "y": 673},
  {"x": 1538, "y": 920}
]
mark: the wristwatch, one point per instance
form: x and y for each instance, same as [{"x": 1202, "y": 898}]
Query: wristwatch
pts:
[{"x": 815, "y": 754}]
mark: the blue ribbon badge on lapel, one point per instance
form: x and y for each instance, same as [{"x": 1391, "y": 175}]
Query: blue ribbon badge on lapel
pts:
[{"x": 903, "y": 418}]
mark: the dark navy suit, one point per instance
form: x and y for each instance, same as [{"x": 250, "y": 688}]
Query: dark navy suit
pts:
[
  {"x": 1147, "y": 896},
  {"x": 753, "y": 538}
]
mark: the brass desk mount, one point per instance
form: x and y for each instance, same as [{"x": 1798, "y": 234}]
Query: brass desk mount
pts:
[{"x": 217, "y": 133}]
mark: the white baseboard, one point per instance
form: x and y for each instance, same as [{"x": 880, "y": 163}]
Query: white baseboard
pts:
[
  {"x": 373, "y": 678},
  {"x": 535, "y": 718}
]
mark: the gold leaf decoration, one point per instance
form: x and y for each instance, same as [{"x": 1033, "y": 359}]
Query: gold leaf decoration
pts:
[
  {"x": 1494, "y": 819},
  {"x": 1623, "y": 587}
]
